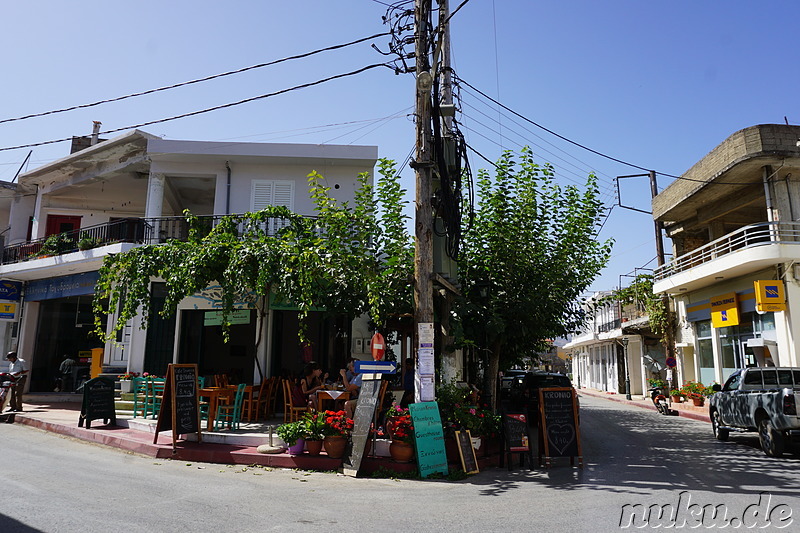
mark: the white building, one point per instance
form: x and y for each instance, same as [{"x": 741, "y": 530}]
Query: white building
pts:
[
  {"x": 129, "y": 191},
  {"x": 733, "y": 221}
]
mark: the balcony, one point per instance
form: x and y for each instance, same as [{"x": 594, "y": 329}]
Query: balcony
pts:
[
  {"x": 58, "y": 254},
  {"x": 746, "y": 250}
]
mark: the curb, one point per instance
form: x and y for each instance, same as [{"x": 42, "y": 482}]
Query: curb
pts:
[{"x": 644, "y": 404}]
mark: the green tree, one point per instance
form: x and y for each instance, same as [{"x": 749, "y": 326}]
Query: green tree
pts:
[
  {"x": 347, "y": 259},
  {"x": 527, "y": 257}
]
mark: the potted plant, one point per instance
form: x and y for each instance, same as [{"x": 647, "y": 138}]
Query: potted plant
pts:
[
  {"x": 677, "y": 397},
  {"x": 293, "y": 434},
  {"x": 337, "y": 428},
  {"x": 87, "y": 243},
  {"x": 402, "y": 434},
  {"x": 315, "y": 431},
  {"x": 657, "y": 383},
  {"x": 56, "y": 245},
  {"x": 126, "y": 380}
]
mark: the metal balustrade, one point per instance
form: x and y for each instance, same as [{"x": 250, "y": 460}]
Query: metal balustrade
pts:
[
  {"x": 754, "y": 235},
  {"x": 131, "y": 230}
]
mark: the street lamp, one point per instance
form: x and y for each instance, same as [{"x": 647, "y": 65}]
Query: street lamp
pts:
[{"x": 624, "y": 341}]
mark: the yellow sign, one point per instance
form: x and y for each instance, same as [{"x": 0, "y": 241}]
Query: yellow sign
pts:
[
  {"x": 725, "y": 310},
  {"x": 8, "y": 311},
  {"x": 770, "y": 295}
]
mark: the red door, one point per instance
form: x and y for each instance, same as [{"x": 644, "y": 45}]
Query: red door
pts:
[{"x": 61, "y": 224}]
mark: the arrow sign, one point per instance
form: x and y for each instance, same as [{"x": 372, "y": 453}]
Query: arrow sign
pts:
[{"x": 375, "y": 367}]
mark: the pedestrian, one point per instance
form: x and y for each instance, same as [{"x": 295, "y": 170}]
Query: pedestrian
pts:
[
  {"x": 19, "y": 369},
  {"x": 66, "y": 368}
]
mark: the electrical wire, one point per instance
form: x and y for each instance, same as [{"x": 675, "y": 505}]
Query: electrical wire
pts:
[
  {"x": 198, "y": 80},
  {"x": 209, "y": 109}
]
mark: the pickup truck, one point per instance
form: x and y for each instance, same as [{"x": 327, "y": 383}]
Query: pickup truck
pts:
[{"x": 760, "y": 399}]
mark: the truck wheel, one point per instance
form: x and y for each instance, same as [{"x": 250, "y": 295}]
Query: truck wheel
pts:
[
  {"x": 772, "y": 440},
  {"x": 716, "y": 422}
]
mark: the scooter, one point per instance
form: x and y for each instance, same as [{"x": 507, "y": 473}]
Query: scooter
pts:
[
  {"x": 6, "y": 381},
  {"x": 660, "y": 401}
]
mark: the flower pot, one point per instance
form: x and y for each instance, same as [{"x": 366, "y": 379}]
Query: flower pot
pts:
[
  {"x": 313, "y": 447},
  {"x": 677, "y": 398},
  {"x": 334, "y": 446},
  {"x": 401, "y": 452},
  {"x": 125, "y": 385},
  {"x": 698, "y": 402},
  {"x": 297, "y": 447}
]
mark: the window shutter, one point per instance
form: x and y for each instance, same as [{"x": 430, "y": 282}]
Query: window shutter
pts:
[{"x": 261, "y": 195}]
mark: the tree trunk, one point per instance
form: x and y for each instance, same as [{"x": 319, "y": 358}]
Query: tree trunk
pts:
[{"x": 489, "y": 393}]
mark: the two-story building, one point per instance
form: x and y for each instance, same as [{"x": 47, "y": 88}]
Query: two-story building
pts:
[
  {"x": 132, "y": 190},
  {"x": 734, "y": 222}
]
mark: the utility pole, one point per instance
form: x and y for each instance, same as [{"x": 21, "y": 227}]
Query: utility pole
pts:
[{"x": 423, "y": 247}]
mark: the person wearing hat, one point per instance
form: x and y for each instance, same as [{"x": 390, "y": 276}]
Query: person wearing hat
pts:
[{"x": 19, "y": 369}]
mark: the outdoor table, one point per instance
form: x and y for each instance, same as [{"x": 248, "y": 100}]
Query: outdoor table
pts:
[
  {"x": 214, "y": 395},
  {"x": 330, "y": 395}
]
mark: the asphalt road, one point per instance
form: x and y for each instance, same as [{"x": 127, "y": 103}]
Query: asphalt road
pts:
[{"x": 632, "y": 457}]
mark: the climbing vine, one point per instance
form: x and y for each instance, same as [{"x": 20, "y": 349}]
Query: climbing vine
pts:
[
  {"x": 346, "y": 259},
  {"x": 641, "y": 290}
]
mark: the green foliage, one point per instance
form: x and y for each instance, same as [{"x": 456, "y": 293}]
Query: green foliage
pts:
[
  {"x": 346, "y": 260},
  {"x": 641, "y": 291},
  {"x": 291, "y": 431},
  {"x": 530, "y": 253},
  {"x": 57, "y": 244}
]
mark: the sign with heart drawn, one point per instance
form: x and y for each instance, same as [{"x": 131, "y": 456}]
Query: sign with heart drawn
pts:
[{"x": 559, "y": 429}]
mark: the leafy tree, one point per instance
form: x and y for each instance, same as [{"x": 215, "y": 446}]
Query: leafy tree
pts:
[
  {"x": 529, "y": 254},
  {"x": 346, "y": 259}
]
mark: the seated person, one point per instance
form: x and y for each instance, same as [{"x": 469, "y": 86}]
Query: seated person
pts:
[
  {"x": 311, "y": 382},
  {"x": 352, "y": 385}
]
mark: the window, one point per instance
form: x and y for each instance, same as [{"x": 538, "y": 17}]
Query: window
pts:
[
  {"x": 272, "y": 192},
  {"x": 753, "y": 377},
  {"x": 733, "y": 381},
  {"x": 770, "y": 377}
]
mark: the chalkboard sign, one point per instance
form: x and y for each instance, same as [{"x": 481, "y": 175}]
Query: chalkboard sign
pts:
[
  {"x": 515, "y": 431},
  {"x": 362, "y": 418},
  {"x": 559, "y": 430},
  {"x": 467, "y": 452},
  {"x": 180, "y": 409},
  {"x": 98, "y": 402},
  {"x": 429, "y": 438}
]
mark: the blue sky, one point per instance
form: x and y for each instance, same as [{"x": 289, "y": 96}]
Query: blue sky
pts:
[{"x": 655, "y": 84}]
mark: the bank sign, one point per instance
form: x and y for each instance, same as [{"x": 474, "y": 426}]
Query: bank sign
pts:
[
  {"x": 770, "y": 295},
  {"x": 725, "y": 310}
]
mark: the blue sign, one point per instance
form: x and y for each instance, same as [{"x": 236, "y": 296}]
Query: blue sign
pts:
[
  {"x": 375, "y": 367},
  {"x": 9, "y": 290},
  {"x": 61, "y": 287}
]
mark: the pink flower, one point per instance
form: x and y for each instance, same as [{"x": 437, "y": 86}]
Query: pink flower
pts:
[{"x": 472, "y": 411}]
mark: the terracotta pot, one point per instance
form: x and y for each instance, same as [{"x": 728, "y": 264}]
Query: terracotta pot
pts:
[
  {"x": 313, "y": 447},
  {"x": 297, "y": 448},
  {"x": 334, "y": 446},
  {"x": 698, "y": 402},
  {"x": 677, "y": 399},
  {"x": 402, "y": 452}
]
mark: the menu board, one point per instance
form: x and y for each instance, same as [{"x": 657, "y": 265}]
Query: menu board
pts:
[
  {"x": 98, "y": 402},
  {"x": 559, "y": 430},
  {"x": 429, "y": 438},
  {"x": 467, "y": 452},
  {"x": 179, "y": 406},
  {"x": 362, "y": 418},
  {"x": 515, "y": 430}
]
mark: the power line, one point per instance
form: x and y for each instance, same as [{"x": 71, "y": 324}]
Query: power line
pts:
[
  {"x": 198, "y": 80},
  {"x": 209, "y": 109}
]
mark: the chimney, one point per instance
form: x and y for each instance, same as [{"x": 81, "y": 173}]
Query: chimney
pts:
[{"x": 95, "y": 132}]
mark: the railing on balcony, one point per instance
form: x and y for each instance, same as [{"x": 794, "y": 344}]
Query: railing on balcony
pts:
[
  {"x": 761, "y": 234},
  {"x": 131, "y": 230},
  {"x": 608, "y": 326}
]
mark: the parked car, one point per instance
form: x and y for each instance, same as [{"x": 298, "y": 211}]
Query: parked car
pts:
[
  {"x": 524, "y": 397},
  {"x": 758, "y": 399}
]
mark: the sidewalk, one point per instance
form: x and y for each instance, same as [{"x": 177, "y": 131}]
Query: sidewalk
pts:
[{"x": 683, "y": 409}]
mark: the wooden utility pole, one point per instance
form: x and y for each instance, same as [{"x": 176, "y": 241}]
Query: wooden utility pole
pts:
[{"x": 423, "y": 166}]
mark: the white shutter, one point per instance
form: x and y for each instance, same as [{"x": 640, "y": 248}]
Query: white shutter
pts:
[
  {"x": 272, "y": 192},
  {"x": 261, "y": 196}
]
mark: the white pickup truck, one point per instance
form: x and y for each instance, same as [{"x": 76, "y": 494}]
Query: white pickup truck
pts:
[{"x": 758, "y": 399}]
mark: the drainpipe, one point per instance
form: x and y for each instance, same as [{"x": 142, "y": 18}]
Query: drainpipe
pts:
[
  {"x": 765, "y": 170},
  {"x": 789, "y": 196},
  {"x": 228, "y": 190},
  {"x": 95, "y": 132}
]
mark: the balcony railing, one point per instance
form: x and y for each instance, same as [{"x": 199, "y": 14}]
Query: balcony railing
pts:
[
  {"x": 131, "y": 230},
  {"x": 761, "y": 234}
]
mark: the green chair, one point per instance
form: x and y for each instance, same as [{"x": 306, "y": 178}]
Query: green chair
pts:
[
  {"x": 201, "y": 384},
  {"x": 230, "y": 414},
  {"x": 139, "y": 389},
  {"x": 155, "y": 393}
]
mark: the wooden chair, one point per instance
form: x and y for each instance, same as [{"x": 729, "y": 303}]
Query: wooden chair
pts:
[
  {"x": 252, "y": 402},
  {"x": 291, "y": 413},
  {"x": 155, "y": 393},
  {"x": 221, "y": 380},
  {"x": 272, "y": 397},
  {"x": 139, "y": 389},
  {"x": 231, "y": 414}
]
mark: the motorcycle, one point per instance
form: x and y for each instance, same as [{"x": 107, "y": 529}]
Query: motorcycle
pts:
[{"x": 660, "y": 401}]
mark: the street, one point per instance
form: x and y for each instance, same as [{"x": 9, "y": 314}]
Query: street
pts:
[{"x": 632, "y": 456}]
